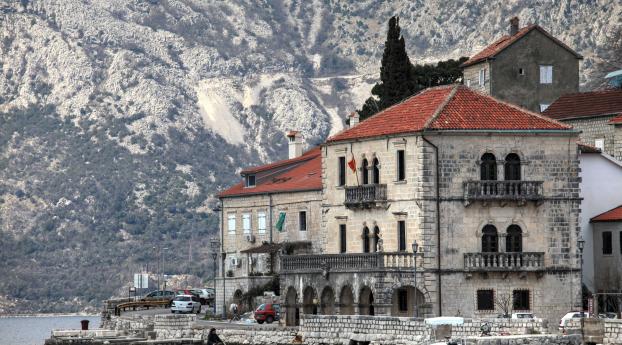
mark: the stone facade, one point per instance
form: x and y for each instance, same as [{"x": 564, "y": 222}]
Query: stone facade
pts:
[
  {"x": 607, "y": 269},
  {"x": 598, "y": 128},
  {"x": 514, "y": 73},
  {"x": 447, "y": 281}
]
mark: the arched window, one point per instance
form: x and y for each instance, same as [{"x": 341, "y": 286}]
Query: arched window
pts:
[
  {"x": 376, "y": 164},
  {"x": 376, "y": 238},
  {"x": 512, "y": 167},
  {"x": 514, "y": 239},
  {"x": 366, "y": 240},
  {"x": 490, "y": 243},
  {"x": 364, "y": 167},
  {"x": 488, "y": 167}
]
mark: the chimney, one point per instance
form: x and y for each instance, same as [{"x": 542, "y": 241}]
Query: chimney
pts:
[
  {"x": 295, "y": 144},
  {"x": 513, "y": 26},
  {"x": 354, "y": 119}
]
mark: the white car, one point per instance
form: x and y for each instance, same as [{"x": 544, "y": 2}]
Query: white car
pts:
[
  {"x": 522, "y": 316},
  {"x": 186, "y": 304},
  {"x": 572, "y": 315},
  {"x": 206, "y": 295}
]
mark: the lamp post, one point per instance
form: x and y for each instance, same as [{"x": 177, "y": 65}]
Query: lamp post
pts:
[
  {"x": 215, "y": 246},
  {"x": 580, "y": 244},
  {"x": 415, "y": 247},
  {"x": 157, "y": 266}
]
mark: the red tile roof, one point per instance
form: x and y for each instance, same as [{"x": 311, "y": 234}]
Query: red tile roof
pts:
[
  {"x": 616, "y": 120},
  {"x": 507, "y": 40},
  {"x": 613, "y": 215},
  {"x": 586, "y": 104},
  {"x": 292, "y": 175},
  {"x": 451, "y": 107}
]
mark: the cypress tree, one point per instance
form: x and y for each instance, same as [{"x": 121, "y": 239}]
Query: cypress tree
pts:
[{"x": 395, "y": 74}]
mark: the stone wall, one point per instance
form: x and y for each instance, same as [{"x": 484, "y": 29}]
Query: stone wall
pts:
[
  {"x": 594, "y": 128},
  {"x": 612, "y": 328}
]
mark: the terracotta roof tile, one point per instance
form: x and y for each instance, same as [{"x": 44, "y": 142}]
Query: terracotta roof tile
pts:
[
  {"x": 616, "y": 120},
  {"x": 613, "y": 215},
  {"x": 291, "y": 175},
  {"x": 507, "y": 40},
  {"x": 453, "y": 107},
  {"x": 586, "y": 104}
]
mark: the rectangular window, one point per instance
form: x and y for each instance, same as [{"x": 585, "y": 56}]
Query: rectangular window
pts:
[
  {"x": 231, "y": 223},
  {"x": 342, "y": 171},
  {"x": 342, "y": 238},
  {"x": 402, "y": 299},
  {"x": 261, "y": 222},
  {"x": 250, "y": 180},
  {"x": 485, "y": 300},
  {"x": 401, "y": 235},
  {"x": 246, "y": 223},
  {"x": 302, "y": 220},
  {"x": 401, "y": 168},
  {"x": 482, "y": 77},
  {"x": 600, "y": 144},
  {"x": 607, "y": 243},
  {"x": 546, "y": 74},
  {"x": 543, "y": 107},
  {"x": 520, "y": 300}
]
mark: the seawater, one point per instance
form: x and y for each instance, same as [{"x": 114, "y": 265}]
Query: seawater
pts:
[{"x": 33, "y": 330}]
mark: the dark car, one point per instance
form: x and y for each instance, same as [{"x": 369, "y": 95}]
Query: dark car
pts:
[
  {"x": 159, "y": 295},
  {"x": 268, "y": 313}
]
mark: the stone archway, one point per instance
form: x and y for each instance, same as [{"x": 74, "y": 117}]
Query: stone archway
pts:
[
  {"x": 327, "y": 301},
  {"x": 237, "y": 299},
  {"x": 403, "y": 302},
  {"x": 346, "y": 301},
  {"x": 292, "y": 313},
  {"x": 366, "y": 301},
  {"x": 309, "y": 301}
]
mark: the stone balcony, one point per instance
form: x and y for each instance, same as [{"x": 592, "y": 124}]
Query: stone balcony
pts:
[
  {"x": 366, "y": 196},
  {"x": 355, "y": 262},
  {"x": 520, "y": 191},
  {"x": 523, "y": 261}
]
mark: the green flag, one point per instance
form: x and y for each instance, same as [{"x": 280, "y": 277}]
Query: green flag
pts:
[{"x": 280, "y": 222}]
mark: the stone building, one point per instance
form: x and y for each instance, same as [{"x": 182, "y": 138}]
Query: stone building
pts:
[
  {"x": 488, "y": 191},
  {"x": 528, "y": 67},
  {"x": 597, "y": 114},
  {"x": 607, "y": 229},
  {"x": 274, "y": 209}
]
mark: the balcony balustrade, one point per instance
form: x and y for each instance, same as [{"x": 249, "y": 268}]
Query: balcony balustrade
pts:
[
  {"x": 503, "y": 190},
  {"x": 366, "y": 196},
  {"x": 523, "y": 261},
  {"x": 348, "y": 262}
]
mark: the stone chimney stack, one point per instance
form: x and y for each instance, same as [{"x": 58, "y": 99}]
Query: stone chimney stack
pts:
[
  {"x": 514, "y": 26},
  {"x": 295, "y": 144},
  {"x": 354, "y": 119}
]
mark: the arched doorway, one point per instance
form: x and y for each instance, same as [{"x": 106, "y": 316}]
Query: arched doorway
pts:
[
  {"x": 309, "y": 301},
  {"x": 292, "y": 313},
  {"x": 327, "y": 301},
  {"x": 366, "y": 238},
  {"x": 346, "y": 301},
  {"x": 366, "y": 301},
  {"x": 237, "y": 299},
  {"x": 404, "y": 302}
]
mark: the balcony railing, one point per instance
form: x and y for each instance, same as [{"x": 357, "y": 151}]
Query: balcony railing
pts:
[
  {"x": 369, "y": 195},
  {"x": 524, "y": 261},
  {"x": 503, "y": 190},
  {"x": 347, "y": 262}
]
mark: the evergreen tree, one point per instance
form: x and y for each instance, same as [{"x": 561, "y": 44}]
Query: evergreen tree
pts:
[{"x": 395, "y": 79}]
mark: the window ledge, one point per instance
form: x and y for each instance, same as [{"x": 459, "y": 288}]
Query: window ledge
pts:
[
  {"x": 400, "y": 182},
  {"x": 340, "y": 187}
]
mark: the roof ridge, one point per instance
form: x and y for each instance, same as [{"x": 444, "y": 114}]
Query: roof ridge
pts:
[{"x": 441, "y": 107}]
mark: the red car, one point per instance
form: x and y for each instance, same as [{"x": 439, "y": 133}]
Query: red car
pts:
[{"x": 268, "y": 312}]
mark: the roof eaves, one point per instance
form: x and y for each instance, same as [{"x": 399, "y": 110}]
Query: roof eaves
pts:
[{"x": 274, "y": 191}]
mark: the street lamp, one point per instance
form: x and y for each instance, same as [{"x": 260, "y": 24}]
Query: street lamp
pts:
[
  {"x": 215, "y": 246},
  {"x": 580, "y": 244},
  {"x": 415, "y": 247}
]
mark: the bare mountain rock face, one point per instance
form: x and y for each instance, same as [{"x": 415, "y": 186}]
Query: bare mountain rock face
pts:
[{"x": 120, "y": 120}]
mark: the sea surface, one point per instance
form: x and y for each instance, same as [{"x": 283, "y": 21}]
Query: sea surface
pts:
[{"x": 33, "y": 330}]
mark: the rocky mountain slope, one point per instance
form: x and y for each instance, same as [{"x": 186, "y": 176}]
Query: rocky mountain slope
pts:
[{"x": 120, "y": 119}]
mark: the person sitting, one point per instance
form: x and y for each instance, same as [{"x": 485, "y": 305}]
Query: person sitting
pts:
[{"x": 213, "y": 338}]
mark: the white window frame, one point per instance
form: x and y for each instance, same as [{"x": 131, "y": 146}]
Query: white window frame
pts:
[
  {"x": 482, "y": 77},
  {"x": 246, "y": 223},
  {"x": 600, "y": 144},
  {"x": 543, "y": 107},
  {"x": 546, "y": 74},
  {"x": 231, "y": 223},
  {"x": 261, "y": 222},
  {"x": 247, "y": 179}
]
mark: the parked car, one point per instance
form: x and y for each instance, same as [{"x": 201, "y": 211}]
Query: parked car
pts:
[
  {"x": 187, "y": 292},
  {"x": 607, "y": 315},
  {"x": 572, "y": 315},
  {"x": 206, "y": 295},
  {"x": 158, "y": 295},
  {"x": 522, "y": 316},
  {"x": 186, "y": 304},
  {"x": 268, "y": 312}
]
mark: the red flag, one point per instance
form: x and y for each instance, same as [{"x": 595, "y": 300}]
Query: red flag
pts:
[{"x": 352, "y": 164}]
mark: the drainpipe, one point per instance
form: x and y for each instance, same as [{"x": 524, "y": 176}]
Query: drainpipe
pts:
[{"x": 438, "y": 228}]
